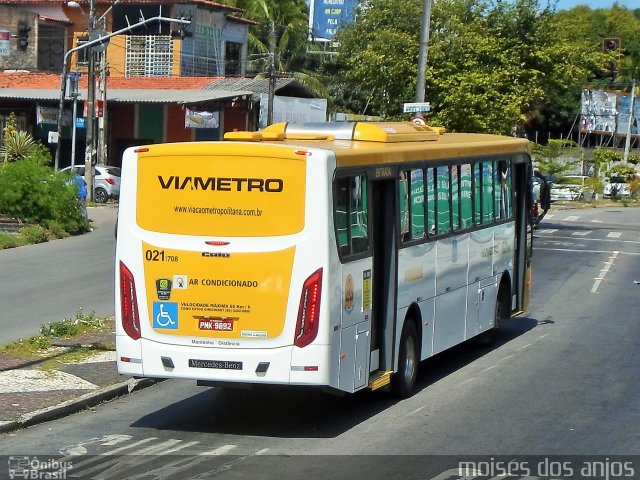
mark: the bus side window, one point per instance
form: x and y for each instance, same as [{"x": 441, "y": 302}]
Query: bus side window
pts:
[
  {"x": 351, "y": 215},
  {"x": 417, "y": 204},
  {"x": 359, "y": 210},
  {"x": 487, "y": 192},
  {"x": 466, "y": 209},
  {"x": 444, "y": 211},
  {"x": 411, "y": 204},
  {"x": 455, "y": 197},
  {"x": 403, "y": 205},
  {"x": 341, "y": 214},
  {"x": 431, "y": 202},
  {"x": 502, "y": 178},
  {"x": 477, "y": 193}
]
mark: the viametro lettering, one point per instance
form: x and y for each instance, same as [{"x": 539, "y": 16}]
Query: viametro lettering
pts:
[{"x": 221, "y": 184}]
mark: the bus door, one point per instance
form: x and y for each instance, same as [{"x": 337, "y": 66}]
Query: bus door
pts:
[
  {"x": 385, "y": 264},
  {"x": 524, "y": 233},
  {"x": 352, "y": 205}
]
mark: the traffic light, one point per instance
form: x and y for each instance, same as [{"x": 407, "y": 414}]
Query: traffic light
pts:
[
  {"x": 23, "y": 35},
  {"x": 611, "y": 44}
]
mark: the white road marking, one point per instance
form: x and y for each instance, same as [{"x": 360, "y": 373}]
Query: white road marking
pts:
[
  {"x": 571, "y": 218},
  {"x": 220, "y": 450},
  {"x": 547, "y": 231},
  {"x": 524, "y": 346},
  {"x": 415, "y": 411},
  {"x": 574, "y": 250},
  {"x": 603, "y": 272},
  {"x": 582, "y": 233},
  {"x": 595, "y": 220},
  {"x": 614, "y": 234}
]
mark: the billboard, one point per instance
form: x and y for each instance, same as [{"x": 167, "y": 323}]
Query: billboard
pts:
[
  {"x": 598, "y": 111},
  {"x": 326, "y": 16},
  {"x": 624, "y": 108},
  {"x": 293, "y": 109}
]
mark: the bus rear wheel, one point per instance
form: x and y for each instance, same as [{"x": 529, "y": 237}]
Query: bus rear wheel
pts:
[
  {"x": 404, "y": 380},
  {"x": 489, "y": 337}
]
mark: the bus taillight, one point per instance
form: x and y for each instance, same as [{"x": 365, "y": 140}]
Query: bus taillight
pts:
[
  {"x": 129, "y": 303},
  {"x": 309, "y": 311}
]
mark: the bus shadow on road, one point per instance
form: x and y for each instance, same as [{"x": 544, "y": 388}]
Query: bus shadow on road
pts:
[{"x": 297, "y": 412}]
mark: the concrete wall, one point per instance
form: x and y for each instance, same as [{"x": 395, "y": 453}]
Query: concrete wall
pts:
[{"x": 19, "y": 59}]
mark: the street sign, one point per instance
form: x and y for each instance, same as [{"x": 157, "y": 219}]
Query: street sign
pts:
[
  {"x": 5, "y": 43},
  {"x": 416, "y": 107}
]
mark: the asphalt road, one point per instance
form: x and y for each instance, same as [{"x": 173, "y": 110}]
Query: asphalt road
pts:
[
  {"x": 55, "y": 280},
  {"x": 562, "y": 380}
]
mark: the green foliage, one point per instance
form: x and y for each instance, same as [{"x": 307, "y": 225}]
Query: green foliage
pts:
[
  {"x": 594, "y": 183},
  {"x": 17, "y": 146},
  {"x": 376, "y": 63},
  {"x": 622, "y": 170},
  {"x": 34, "y": 193},
  {"x": 34, "y": 234},
  {"x": 548, "y": 157},
  {"x": 72, "y": 327},
  {"x": 492, "y": 66},
  {"x": 9, "y": 240},
  {"x": 634, "y": 158}
]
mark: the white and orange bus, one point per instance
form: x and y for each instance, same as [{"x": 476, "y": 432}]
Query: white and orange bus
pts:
[{"x": 330, "y": 255}]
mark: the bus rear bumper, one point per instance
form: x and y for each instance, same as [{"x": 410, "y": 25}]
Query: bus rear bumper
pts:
[{"x": 283, "y": 365}]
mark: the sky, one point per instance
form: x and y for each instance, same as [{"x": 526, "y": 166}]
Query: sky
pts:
[{"x": 566, "y": 4}]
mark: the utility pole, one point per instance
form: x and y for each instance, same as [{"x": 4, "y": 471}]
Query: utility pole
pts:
[
  {"x": 423, "y": 53},
  {"x": 91, "y": 93},
  {"x": 102, "y": 119},
  {"x": 627, "y": 142},
  {"x": 272, "y": 71},
  {"x": 91, "y": 43}
]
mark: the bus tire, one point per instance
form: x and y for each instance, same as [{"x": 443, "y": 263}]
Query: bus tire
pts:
[
  {"x": 404, "y": 380},
  {"x": 489, "y": 337}
]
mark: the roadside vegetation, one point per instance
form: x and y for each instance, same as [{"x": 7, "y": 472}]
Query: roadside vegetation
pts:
[
  {"x": 69, "y": 340},
  {"x": 33, "y": 194}
]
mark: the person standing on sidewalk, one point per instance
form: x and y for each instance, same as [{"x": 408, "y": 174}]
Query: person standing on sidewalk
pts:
[{"x": 81, "y": 186}]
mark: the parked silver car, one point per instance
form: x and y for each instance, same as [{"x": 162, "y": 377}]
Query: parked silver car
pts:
[{"x": 106, "y": 182}]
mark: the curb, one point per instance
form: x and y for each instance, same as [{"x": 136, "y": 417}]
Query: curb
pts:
[{"x": 77, "y": 404}]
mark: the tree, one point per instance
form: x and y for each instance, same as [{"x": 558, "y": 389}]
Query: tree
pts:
[
  {"x": 548, "y": 157},
  {"x": 491, "y": 67},
  {"x": 377, "y": 57},
  {"x": 287, "y": 21}
]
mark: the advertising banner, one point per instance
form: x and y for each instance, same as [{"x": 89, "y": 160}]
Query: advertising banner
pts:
[
  {"x": 196, "y": 119},
  {"x": 326, "y": 16},
  {"x": 49, "y": 115}
]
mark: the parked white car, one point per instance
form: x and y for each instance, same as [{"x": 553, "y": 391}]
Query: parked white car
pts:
[
  {"x": 570, "y": 188},
  {"x": 616, "y": 187}
]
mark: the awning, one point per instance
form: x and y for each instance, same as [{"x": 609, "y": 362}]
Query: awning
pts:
[{"x": 130, "y": 95}]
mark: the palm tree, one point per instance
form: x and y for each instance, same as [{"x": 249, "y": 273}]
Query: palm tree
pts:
[{"x": 280, "y": 41}]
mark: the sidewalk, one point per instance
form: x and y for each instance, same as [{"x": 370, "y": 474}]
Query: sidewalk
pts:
[{"x": 35, "y": 390}]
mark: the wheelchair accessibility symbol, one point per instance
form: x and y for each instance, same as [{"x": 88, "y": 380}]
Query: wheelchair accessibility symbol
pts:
[{"x": 165, "y": 315}]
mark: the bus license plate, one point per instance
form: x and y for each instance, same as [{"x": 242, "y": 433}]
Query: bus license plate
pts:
[{"x": 220, "y": 364}]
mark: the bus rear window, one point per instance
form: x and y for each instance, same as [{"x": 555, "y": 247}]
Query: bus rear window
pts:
[{"x": 221, "y": 195}]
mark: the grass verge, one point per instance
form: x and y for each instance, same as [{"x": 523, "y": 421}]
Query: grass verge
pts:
[{"x": 67, "y": 341}]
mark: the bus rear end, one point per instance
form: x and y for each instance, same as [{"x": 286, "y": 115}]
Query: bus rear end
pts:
[{"x": 219, "y": 277}]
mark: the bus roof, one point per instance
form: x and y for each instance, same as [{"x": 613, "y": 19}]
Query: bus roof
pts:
[{"x": 366, "y": 143}]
